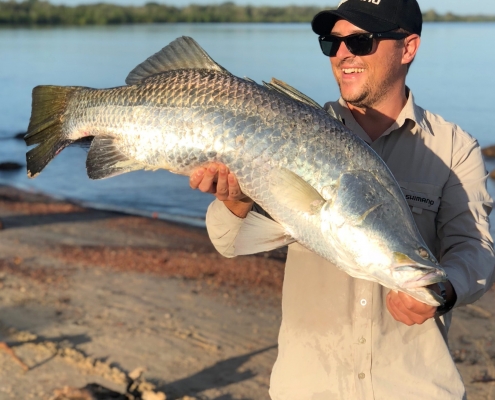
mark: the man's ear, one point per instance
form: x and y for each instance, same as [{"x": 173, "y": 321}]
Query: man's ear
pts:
[{"x": 411, "y": 46}]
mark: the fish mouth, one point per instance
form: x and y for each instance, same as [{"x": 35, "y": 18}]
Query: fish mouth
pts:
[
  {"x": 425, "y": 280},
  {"x": 417, "y": 275},
  {"x": 426, "y": 295},
  {"x": 420, "y": 277},
  {"x": 425, "y": 276}
]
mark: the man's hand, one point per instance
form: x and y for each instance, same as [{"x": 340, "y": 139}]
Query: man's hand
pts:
[
  {"x": 408, "y": 310},
  {"x": 216, "y": 179}
]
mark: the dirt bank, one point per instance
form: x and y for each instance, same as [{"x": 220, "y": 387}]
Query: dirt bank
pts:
[{"x": 90, "y": 297}]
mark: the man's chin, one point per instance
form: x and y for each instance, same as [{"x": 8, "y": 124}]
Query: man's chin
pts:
[
  {"x": 354, "y": 99},
  {"x": 359, "y": 102}
]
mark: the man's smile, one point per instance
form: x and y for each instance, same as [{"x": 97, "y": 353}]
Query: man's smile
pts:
[{"x": 352, "y": 70}]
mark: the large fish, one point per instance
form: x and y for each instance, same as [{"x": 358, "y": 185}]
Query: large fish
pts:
[{"x": 324, "y": 187}]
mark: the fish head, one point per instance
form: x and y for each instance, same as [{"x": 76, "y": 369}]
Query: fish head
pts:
[
  {"x": 413, "y": 271},
  {"x": 374, "y": 236}
]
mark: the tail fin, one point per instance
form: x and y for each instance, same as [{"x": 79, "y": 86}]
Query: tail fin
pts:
[{"x": 45, "y": 126}]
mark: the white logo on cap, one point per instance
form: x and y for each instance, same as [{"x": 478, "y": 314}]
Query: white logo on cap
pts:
[
  {"x": 342, "y": 2},
  {"x": 369, "y": 1}
]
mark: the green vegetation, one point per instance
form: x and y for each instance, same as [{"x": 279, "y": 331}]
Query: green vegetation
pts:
[
  {"x": 432, "y": 16},
  {"x": 36, "y": 13}
]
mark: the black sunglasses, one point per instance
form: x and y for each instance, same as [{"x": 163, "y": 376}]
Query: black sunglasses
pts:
[{"x": 359, "y": 44}]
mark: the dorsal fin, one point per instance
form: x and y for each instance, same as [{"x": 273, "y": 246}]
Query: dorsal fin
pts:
[
  {"x": 332, "y": 112},
  {"x": 182, "y": 53},
  {"x": 291, "y": 92}
]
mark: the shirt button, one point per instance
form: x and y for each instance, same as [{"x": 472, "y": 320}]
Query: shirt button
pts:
[
  {"x": 362, "y": 340},
  {"x": 361, "y": 375},
  {"x": 363, "y": 302}
]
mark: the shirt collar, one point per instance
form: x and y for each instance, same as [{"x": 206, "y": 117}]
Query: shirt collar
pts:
[{"x": 411, "y": 111}]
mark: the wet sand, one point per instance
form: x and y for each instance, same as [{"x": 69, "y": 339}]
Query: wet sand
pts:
[{"x": 97, "y": 298}]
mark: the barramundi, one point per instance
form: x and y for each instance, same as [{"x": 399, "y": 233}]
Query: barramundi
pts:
[{"x": 321, "y": 185}]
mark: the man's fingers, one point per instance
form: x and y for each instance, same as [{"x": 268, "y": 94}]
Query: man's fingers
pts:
[
  {"x": 422, "y": 310},
  {"x": 395, "y": 311},
  {"x": 222, "y": 188},
  {"x": 409, "y": 302},
  {"x": 207, "y": 183},
  {"x": 408, "y": 310},
  {"x": 196, "y": 177},
  {"x": 217, "y": 179},
  {"x": 235, "y": 192}
]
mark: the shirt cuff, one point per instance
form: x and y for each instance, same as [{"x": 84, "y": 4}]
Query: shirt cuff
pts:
[{"x": 222, "y": 226}]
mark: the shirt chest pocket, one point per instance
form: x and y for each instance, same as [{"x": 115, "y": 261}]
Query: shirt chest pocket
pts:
[{"x": 421, "y": 196}]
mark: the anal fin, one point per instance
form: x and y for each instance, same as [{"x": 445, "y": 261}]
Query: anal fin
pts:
[
  {"x": 106, "y": 160},
  {"x": 258, "y": 234}
]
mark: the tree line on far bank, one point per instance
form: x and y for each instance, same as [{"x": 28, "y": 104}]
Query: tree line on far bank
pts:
[{"x": 42, "y": 13}]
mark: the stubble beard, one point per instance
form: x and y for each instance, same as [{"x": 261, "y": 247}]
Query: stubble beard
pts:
[
  {"x": 373, "y": 90},
  {"x": 369, "y": 95}
]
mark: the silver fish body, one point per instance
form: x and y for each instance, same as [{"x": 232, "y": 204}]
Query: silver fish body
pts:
[{"x": 324, "y": 187}]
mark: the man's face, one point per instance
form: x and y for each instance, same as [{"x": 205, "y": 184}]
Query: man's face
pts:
[{"x": 364, "y": 81}]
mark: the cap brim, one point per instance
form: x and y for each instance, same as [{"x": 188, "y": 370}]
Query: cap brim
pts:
[{"x": 324, "y": 21}]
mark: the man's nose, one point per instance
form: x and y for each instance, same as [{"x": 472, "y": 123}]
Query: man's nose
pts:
[{"x": 343, "y": 51}]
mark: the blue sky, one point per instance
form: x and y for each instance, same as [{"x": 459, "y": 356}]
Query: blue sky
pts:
[{"x": 455, "y": 6}]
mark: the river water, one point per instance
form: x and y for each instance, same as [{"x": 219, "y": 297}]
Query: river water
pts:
[{"x": 451, "y": 76}]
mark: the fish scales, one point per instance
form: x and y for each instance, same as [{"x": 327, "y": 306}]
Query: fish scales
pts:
[
  {"x": 246, "y": 136},
  {"x": 323, "y": 185}
]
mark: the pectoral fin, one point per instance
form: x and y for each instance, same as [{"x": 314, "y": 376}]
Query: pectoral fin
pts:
[
  {"x": 258, "y": 234},
  {"x": 293, "y": 192}
]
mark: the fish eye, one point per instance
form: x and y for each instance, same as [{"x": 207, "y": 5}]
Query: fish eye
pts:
[{"x": 423, "y": 253}]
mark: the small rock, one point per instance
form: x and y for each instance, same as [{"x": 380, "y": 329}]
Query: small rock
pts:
[
  {"x": 68, "y": 393},
  {"x": 10, "y": 166},
  {"x": 478, "y": 312},
  {"x": 150, "y": 395},
  {"x": 485, "y": 377},
  {"x": 136, "y": 373},
  {"x": 488, "y": 151},
  {"x": 459, "y": 356}
]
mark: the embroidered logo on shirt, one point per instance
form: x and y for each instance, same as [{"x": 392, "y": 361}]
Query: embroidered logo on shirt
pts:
[{"x": 422, "y": 200}]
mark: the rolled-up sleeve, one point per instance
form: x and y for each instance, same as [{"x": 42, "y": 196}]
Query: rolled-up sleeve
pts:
[
  {"x": 222, "y": 226},
  {"x": 466, "y": 246}
]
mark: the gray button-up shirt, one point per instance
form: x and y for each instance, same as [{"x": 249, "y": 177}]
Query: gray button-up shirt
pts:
[{"x": 337, "y": 339}]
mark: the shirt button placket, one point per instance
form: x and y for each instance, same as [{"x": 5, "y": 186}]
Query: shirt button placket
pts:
[
  {"x": 363, "y": 310},
  {"x": 362, "y": 326}
]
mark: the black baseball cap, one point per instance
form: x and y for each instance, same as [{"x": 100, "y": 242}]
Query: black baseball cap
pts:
[{"x": 375, "y": 16}]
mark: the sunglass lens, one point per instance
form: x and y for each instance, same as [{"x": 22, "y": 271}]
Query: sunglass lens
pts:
[
  {"x": 329, "y": 46},
  {"x": 359, "y": 45}
]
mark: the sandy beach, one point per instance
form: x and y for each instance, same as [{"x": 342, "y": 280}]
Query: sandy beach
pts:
[{"x": 136, "y": 308}]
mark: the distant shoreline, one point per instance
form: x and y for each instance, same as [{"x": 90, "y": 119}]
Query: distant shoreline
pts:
[{"x": 42, "y": 13}]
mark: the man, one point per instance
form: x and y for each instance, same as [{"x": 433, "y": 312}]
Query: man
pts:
[{"x": 345, "y": 338}]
